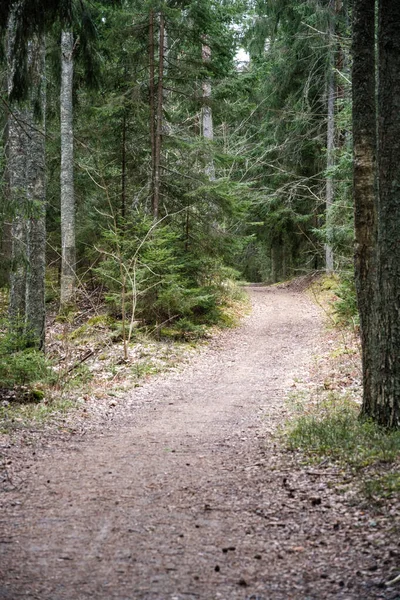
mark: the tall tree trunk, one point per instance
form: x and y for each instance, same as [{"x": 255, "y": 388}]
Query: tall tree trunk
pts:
[
  {"x": 152, "y": 105},
  {"x": 159, "y": 122},
  {"x": 17, "y": 153},
  {"x": 386, "y": 406},
  {"x": 166, "y": 127},
  {"x": 206, "y": 113},
  {"x": 123, "y": 165},
  {"x": 36, "y": 194},
  {"x": 330, "y": 139},
  {"x": 68, "y": 251},
  {"x": 364, "y": 188}
]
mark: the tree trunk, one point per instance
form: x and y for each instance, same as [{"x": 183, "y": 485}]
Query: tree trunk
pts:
[
  {"x": 68, "y": 252},
  {"x": 123, "y": 165},
  {"x": 152, "y": 106},
  {"x": 330, "y": 145},
  {"x": 385, "y": 406},
  {"x": 159, "y": 122},
  {"x": 36, "y": 194},
  {"x": 206, "y": 114},
  {"x": 364, "y": 188},
  {"x": 17, "y": 153},
  {"x": 276, "y": 260}
]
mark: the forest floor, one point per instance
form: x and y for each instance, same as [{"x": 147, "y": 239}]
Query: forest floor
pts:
[{"x": 186, "y": 490}]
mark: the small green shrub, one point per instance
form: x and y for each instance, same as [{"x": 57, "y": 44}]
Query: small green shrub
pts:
[
  {"x": 21, "y": 365},
  {"x": 346, "y": 306},
  {"x": 155, "y": 275},
  {"x": 184, "y": 329},
  {"x": 23, "y": 368}
]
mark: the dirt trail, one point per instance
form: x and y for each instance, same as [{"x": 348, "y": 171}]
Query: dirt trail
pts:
[{"x": 185, "y": 496}]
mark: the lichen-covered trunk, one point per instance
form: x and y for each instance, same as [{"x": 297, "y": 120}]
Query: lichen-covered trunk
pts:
[
  {"x": 206, "y": 113},
  {"x": 68, "y": 251},
  {"x": 16, "y": 165},
  {"x": 36, "y": 197},
  {"x": 364, "y": 190},
  {"x": 386, "y": 403}
]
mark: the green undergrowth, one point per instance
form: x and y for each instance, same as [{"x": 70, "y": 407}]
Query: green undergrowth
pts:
[
  {"x": 36, "y": 389},
  {"x": 21, "y": 366},
  {"x": 16, "y": 416},
  {"x": 336, "y": 294},
  {"x": 332, "y": 431}
]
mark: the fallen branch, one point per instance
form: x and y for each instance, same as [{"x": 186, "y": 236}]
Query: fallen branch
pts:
[
  {"x": 393, "y": 581},
  {"x": 79, "y": 362}
]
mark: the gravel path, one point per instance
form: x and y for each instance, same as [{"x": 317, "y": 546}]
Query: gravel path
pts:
[{"x": 187, "y": 496}]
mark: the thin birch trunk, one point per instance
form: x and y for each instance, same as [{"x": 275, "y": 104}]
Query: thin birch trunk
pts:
[
  {"x": 36, "y": 194},
  {"x": 68, "y": 251}
]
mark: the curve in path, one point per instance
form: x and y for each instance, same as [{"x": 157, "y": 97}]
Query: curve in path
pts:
[{"x": 169, "y": 505}]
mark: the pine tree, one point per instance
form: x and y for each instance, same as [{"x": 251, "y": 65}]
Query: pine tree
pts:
[
  {"x": 26, "y": 168},
  {"x": 377, "y": 250}
]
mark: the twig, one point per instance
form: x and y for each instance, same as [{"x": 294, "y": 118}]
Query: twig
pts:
[
  {"x": 393, "y": 581},
  {"x": 79, "y": 362}
]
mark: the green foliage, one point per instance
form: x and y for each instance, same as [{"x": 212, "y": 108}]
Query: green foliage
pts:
[
  {"x": 79, "y": 377},
  {"x": 15, "y": 416},
  {"x": 151, "y": 274},
  {"x": 345, "y": 307},
  {"x": 19, "y": 364},
  {"x": 24, "y": 367},
  {"x": 383, "y": 486},
  {"x": 334, "y": 430},
  {"x": 183, "y": 329}
]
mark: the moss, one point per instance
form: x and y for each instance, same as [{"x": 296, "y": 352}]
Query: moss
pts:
[{"x": 101, "y": 320}]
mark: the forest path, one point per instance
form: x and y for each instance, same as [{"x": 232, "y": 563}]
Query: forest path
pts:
[{"x": 186, "y": 496}]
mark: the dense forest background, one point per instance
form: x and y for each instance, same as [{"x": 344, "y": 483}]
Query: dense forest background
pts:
[
  {"x": 153, "y": 152},
  {"x": 216, "y": 162}
]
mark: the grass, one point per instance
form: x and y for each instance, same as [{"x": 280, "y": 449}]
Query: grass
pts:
[
  {"x": 16, "y": 416},
  {"x": 332, "y": 431},
  {"x": 382, "y": 486}
]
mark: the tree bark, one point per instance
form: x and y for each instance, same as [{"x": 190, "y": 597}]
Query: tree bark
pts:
[
  {"x": 123, "y": 165},
  {"x": 385, "y": 406},
  {"x": 364, "y": 189},
  {"x": 68, "y": 251},
  {"x": 330, "y": 141},
  {"x": 36, "y": 194},
  {"x": 159, "y": 122},
  {"x": 206, "y": 113},
  {"x": 17, "y": 154},
  {"x": 152, "y": 105}
]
